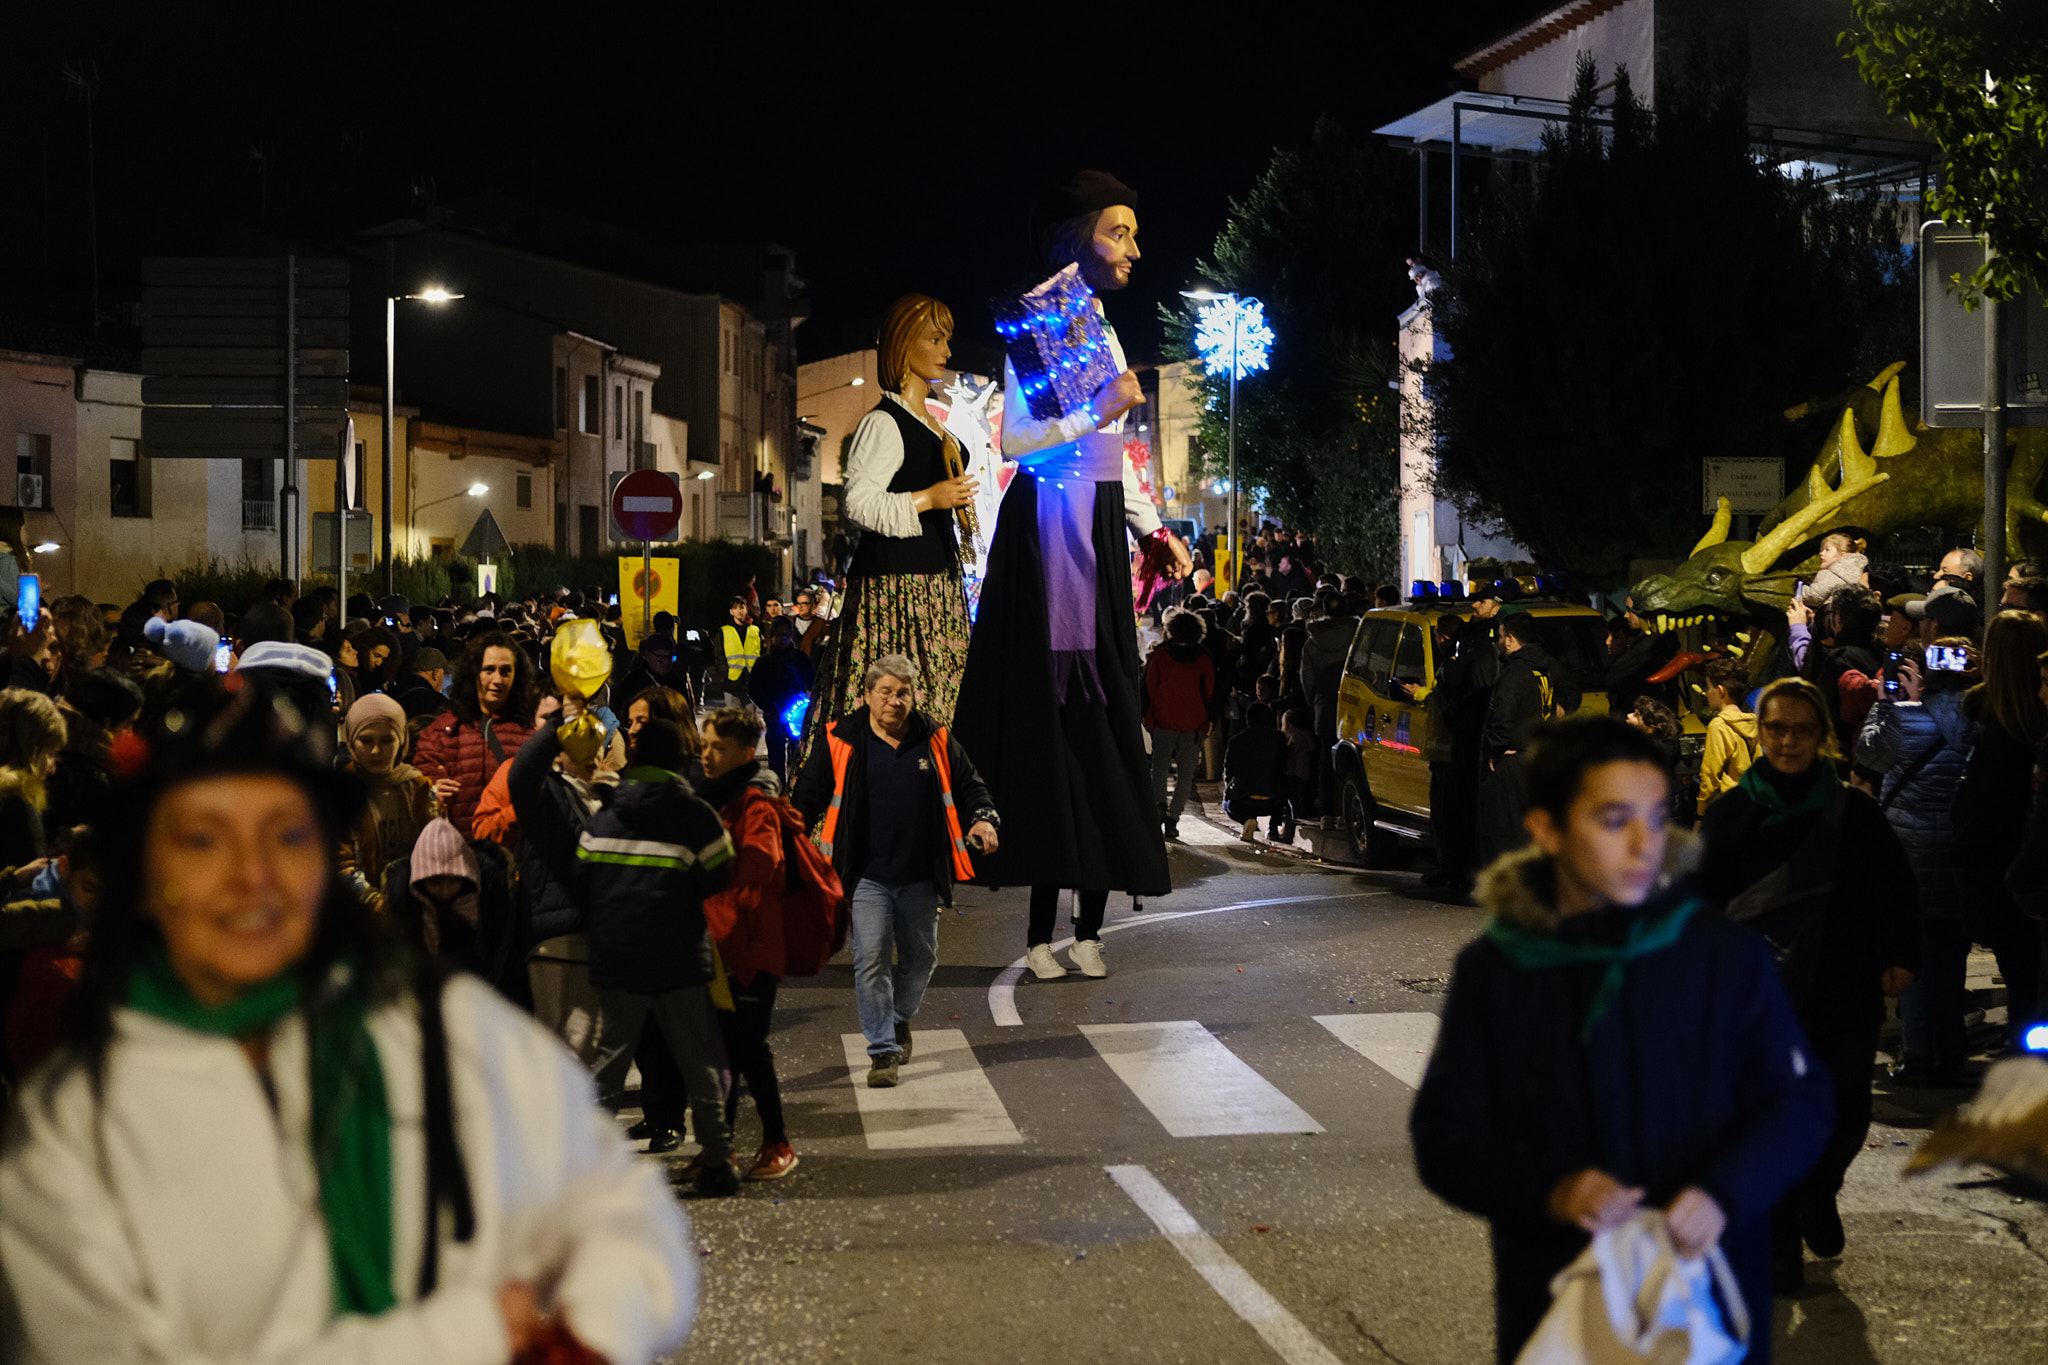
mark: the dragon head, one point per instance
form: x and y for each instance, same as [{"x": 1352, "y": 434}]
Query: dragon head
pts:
[{"x": 1724, "y": 577}]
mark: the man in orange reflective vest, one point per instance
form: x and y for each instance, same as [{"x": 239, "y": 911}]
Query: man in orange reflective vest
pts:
[{"x": 884, "y": 797}]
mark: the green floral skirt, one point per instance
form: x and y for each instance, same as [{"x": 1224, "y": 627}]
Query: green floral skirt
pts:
[{"x": 920, "y": 616}]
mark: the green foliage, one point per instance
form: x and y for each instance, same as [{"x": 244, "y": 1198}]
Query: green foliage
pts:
[
  {"x": 235, "y": 584},
  {"x": 1928, "y": 61},
  {"x": 1657, "y": 295},
  {"x": 1320, "y": 238}
]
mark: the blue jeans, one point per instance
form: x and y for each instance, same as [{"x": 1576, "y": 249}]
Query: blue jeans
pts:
[{"x": 895, "y": 934}]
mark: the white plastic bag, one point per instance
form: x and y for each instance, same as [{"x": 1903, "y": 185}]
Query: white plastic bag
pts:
[{"x": 1628, "y": 1298}]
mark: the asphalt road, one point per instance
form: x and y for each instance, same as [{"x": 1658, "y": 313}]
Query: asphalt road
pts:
[{"x": 1227, "y": 1176}]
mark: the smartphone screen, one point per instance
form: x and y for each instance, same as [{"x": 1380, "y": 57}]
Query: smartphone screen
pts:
[
  {"x": 224, "y": 657},
  {"x": 333, "y": 687},
  {"x": 1948, "y": 658},
  {"x": 1799, "y": 590},
  {"x": 28, "y": 600}
]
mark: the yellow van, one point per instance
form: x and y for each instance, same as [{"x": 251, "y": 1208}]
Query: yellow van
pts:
[{"x": 1391, "y": 725}]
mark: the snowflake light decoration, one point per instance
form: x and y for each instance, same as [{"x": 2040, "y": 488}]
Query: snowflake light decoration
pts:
[{"x": 1254, "y": 337}]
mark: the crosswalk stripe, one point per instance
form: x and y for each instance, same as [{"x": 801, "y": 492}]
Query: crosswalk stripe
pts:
[
  {"x": 942, "y": 1099},
  {"x": 1286, "y": 1334},
  {"x": 1192, "y": 1083},
  {"x": 1398, "y": 1044}
]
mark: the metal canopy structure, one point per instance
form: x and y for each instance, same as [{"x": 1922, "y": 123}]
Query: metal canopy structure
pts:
[{"x": 1497, "y": 127}]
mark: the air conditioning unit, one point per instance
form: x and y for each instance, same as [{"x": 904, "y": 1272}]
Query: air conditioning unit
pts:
[{"x": 28, "y": 490}]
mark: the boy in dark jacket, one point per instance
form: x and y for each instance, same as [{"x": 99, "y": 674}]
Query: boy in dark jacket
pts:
[
  {"x": 887, "y": 796},
  {"x": 646, "y": 862},
  {"x": 1610, "y": 1042},
  {"x": 1255, "y": 774},
  {"x": 1181, "y": 702}
]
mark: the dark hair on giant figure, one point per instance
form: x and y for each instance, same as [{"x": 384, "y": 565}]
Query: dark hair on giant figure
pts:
[{"x": 1566, "y": 750}]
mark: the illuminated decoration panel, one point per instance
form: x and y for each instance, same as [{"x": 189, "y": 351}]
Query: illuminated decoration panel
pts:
[
  {"x": 1057, "y": 345},
  {"x": 1254, "y": 337}
]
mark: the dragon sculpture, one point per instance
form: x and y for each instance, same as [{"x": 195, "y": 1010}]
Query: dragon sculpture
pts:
[{"x": 1876, "y": 473}]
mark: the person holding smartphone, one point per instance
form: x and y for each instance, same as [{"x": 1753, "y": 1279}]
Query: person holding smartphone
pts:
[{"x": 1918, "y": 737}]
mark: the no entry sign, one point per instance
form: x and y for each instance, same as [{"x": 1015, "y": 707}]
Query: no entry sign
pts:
[{"x": 647, "y": 505}]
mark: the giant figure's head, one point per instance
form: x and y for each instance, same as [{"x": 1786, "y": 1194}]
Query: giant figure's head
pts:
[
  {"x": 916, "y": 339},
  {"x": 1090, "y": 218}
]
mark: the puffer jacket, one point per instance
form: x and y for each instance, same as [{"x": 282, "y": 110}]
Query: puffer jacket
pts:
[
  {"x": 1180, "y": 688},
  {"x": 746, "y": 918},
  {"x": 552, "y": 809},
  {"x": 1694, "y": 1074},
  {"x": 455, "y": 746},
  {"x": 1731, "y": 747},
  {"x": 1922, "y": 748},
  {"x": 1322, "y": 669},
  {"x": 645, "y": 863}
]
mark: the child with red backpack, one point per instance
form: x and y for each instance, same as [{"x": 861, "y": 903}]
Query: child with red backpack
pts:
[{"x": 775, "y": 918}]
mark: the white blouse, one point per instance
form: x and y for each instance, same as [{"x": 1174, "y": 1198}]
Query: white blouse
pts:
[{"x": 876, "y": 456}]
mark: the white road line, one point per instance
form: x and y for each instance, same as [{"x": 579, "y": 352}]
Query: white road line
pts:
[
  {"x": 1398, "y": 1044},
  {"x": 1002, "y": 992},
  {"x": 1199, "y": 832},
  {"x": 943, "y": 1098},
  {"x": 1282, "y": 1331},
  {"x": 1195, "y": 1086}
]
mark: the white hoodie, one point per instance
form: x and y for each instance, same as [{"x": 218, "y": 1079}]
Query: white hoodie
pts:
[{"x": 188, "y": 1229}]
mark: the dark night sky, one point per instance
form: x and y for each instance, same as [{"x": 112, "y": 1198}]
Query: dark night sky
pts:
[{"x": 891, "y": 156}]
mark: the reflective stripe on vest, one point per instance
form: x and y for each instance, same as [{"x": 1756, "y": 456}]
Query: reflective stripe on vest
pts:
[
  {"x": 963, "y": 870},
  {"x": 741, "y": 655},
  {"x": 842, "y": 755}
]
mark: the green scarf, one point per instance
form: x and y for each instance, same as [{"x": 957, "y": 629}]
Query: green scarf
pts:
[
  {"x": 1777, "y": 810},
  {"x": 351, "y": 1117},
  {"x": 1531, "y": 950}
]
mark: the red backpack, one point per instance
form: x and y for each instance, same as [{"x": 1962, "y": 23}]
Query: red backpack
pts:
[{"x": 815, "y": 914}]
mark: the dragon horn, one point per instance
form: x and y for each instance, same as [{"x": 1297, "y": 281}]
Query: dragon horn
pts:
[
  {"x": 1718, "y": 532},
  {"x": 1894, "y": 437},
  {"x": 1794, "y": 529},
  {"x": 1849, "y": 450},
  {"x": 1886, "y": 375}
]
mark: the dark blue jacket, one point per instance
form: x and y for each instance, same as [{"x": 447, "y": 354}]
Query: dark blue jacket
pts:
[
  {"x": 1697, "y": 1075},
  {"x": 645, "y": 864}
]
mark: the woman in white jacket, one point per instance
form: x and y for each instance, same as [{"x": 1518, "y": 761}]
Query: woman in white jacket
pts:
[{"x": 273, "y": 1138}]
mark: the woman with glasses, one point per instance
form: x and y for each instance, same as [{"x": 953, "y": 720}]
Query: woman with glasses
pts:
[{"x": 1810, "y": 863}]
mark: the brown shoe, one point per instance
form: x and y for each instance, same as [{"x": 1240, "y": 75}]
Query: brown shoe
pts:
[{"x": 774, "y": 1161}]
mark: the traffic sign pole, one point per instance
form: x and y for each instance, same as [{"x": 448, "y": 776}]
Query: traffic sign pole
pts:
[
  {"x": 288, "y": 534},
  {"x": 648, "y": 506}
]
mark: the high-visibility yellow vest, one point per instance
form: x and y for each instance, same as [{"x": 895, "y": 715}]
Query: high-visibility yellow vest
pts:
[{"x": 741, "y": 655}]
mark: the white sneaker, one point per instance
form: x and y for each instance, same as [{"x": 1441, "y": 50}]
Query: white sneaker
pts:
[
  {"x": 1087, "y": 955},
  {"x": 1043, "y": 964}
]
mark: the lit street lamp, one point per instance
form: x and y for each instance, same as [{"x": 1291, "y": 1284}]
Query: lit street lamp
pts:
[
  {"x": 475, "y": 490},
  {"x": 432, "y": 294},
  {"x": 1231, "y": 331}
]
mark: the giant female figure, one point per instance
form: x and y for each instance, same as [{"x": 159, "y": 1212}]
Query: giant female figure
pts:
[{"x": 904, "y": 593}]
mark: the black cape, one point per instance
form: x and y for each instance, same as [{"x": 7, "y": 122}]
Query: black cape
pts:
[{"x": 1072, "y": 780}]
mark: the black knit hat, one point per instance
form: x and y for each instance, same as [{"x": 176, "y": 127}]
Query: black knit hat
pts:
[
  {"x": 1082, "y": 192},
  {"x": 232, "y": 724}
]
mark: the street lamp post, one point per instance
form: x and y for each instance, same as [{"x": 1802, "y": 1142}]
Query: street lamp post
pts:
[
  {"x": 1246, "y": 347},
  {"x": 390, "y": 382}
]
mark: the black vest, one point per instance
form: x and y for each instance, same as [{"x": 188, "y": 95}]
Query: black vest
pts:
[{"x": 934, "y": 550}]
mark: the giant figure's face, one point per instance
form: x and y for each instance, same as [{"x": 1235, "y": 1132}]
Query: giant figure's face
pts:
[
  {"x": 930, "y": 351},
  {"x": 1112, "y": 251}
]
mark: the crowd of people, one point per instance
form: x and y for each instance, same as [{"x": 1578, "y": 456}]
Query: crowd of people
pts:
[{"x": 1864, "y": 796}]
